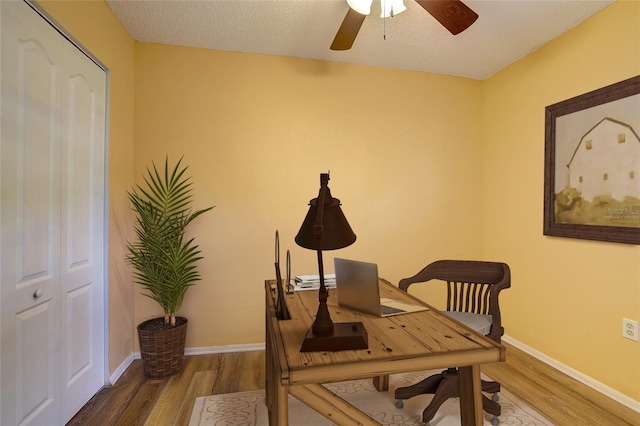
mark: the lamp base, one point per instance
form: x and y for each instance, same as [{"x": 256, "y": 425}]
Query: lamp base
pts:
[{"x": 345, "y": 336}]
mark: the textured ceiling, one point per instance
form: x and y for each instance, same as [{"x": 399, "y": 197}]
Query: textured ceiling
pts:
[{"x": 506, "y": 31}]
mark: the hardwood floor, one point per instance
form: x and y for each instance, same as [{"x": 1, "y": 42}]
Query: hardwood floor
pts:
[
  {"x": 134, "y": 400},
  {"x": 563, "y": 400}
]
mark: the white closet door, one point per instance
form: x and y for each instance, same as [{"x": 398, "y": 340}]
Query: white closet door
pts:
[
  {"x": 82, "y": 220},
  {"x": 30, "y": 221},
  {"x": 51, "y": 222}
]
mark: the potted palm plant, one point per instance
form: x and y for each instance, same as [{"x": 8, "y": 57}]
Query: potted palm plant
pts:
[{"x": 164, "y": 262}]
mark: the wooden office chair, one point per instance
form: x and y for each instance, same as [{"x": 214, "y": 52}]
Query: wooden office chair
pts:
[{"x": 472, "y": 299}]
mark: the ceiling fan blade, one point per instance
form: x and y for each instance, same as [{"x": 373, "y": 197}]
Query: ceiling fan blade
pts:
[
  {"x": 452, "y": 14},
  {"x": 348, "y": 30}
]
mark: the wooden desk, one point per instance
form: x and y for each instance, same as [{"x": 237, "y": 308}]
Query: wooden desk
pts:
[{"x": 410, "y": 342}]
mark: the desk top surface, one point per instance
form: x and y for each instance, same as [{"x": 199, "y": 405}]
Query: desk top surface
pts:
[{"x": 409, "y": 342}]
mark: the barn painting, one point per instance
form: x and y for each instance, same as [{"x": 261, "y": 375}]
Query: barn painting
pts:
[{"x": 592, "y": 165}]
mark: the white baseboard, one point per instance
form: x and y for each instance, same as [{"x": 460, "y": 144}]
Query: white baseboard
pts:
[
  {"x": 225, "y": 349},
  {"x": 574, "y": 374},
  {"x": 119, "y": 371}
]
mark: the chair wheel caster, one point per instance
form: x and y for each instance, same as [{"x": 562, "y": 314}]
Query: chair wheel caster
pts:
[
  {"x": 399, "y": 404},
  {"x": 495, "y": 421},
  {"x": 495, "y": 397}
]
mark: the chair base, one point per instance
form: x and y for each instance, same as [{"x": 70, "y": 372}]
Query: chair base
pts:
[{"x": 444, "y": 386}]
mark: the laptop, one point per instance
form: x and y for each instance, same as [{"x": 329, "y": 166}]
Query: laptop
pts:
[{"x": 357, "y": 286}]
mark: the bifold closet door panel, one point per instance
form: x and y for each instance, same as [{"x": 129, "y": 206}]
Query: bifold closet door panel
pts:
[{"x": 82, "y": 194}]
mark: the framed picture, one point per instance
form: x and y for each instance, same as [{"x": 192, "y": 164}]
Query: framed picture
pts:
[{"x": 592, "y": 165}]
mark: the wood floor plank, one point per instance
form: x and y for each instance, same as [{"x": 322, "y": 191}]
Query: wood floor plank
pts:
[
  {"x": 141, "y": 405},
  {"x": 239, "y": 372},
  {"x": 110, "y": 402},
  {"x": 252, "y": 371},
  {"x": 166, "y": 410},
  {"x": 200, "y": 386},
  {"x": 225, "y": 382}
]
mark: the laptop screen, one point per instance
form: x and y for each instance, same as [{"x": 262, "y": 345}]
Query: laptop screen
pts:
[{"x": 357, "y": 285}]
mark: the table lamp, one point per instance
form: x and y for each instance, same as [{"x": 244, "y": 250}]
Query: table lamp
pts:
[{"x": 326, "y": 228}]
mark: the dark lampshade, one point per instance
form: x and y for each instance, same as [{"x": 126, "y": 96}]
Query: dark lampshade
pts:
[{"x": 334, "y": 231}]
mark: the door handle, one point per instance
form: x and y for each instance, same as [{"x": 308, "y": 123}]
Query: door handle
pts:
[{"x": 37, "y": 294}]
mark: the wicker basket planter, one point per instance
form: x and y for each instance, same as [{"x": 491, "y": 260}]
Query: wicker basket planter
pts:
[{"x": 162, "y": 347}]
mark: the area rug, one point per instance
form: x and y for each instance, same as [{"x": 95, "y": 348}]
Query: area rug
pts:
[{"x": 249, "y": 409}]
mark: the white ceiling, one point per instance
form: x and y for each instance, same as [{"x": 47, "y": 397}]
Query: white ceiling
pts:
[{"x": 506, "y": 30}]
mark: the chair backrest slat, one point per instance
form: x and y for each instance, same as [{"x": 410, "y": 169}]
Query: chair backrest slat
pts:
[{"x": 468, "y": 297}]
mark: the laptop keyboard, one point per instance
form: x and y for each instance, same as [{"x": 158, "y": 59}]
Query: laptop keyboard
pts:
[{"x": 387, "y": 310}]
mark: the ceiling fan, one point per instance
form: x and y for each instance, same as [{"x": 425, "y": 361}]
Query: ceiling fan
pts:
[{"x": 454, "y": 15}]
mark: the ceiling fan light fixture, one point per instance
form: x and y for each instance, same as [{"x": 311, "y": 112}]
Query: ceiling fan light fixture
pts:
[
  {"x": 454, "y": 15},
  {"x": 363, "y": 7},
  {"x": 391, "y": 8}
]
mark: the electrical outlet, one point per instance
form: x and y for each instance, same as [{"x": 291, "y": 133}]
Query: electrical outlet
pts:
[{"x": 630, "y": 329}]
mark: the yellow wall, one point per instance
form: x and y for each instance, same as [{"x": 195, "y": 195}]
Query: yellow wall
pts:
[
  {"x": 94, "y": 25},
  {"x": 403, "y": 148},
  {"x": 426, "y": 166},
  {"x": 568, "y": 296}
]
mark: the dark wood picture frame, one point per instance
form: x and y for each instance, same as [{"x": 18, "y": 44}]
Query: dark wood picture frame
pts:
[{"x": 602, "y": 103}]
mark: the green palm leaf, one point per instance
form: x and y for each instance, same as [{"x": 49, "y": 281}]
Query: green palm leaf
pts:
[{"x": 164, "y": 262}]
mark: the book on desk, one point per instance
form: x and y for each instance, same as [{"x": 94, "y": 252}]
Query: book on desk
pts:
[{"x": 312, "y": 282}]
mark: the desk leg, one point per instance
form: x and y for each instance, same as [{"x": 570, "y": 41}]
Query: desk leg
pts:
[
  {"x": 277, "y": 395},
  {"x": 280, "y": 412},
  {"x": 381, "y": 383},
  {"x": 269, "y": 367},
  {"x": 470, "y": 395}
]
